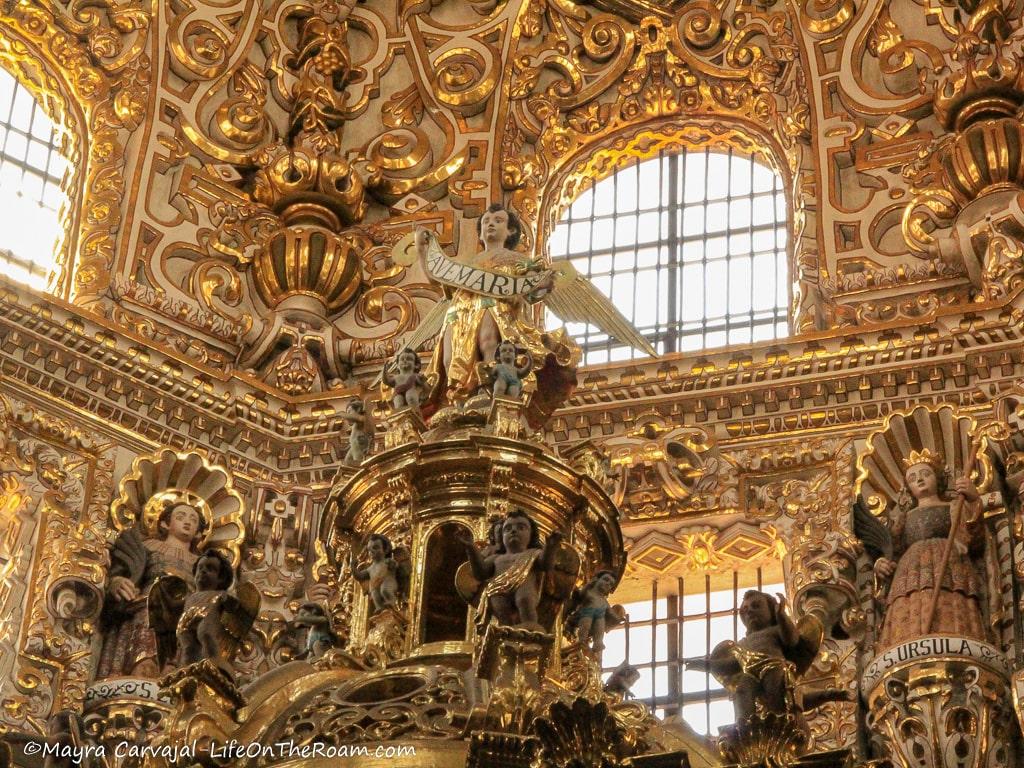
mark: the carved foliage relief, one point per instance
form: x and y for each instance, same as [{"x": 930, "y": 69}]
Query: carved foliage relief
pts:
[{"x": 55, "y": 487}]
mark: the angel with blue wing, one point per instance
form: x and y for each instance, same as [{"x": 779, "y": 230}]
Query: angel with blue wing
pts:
[{"x": 490, "y": 298}]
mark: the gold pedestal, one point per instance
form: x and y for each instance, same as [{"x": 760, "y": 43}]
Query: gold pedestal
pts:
[
  {"x": 124, "y": 710},
  {"x": 768, "y": 740},
  {"x": 939, "y": 697},
  {"x": 206, "y": 706},
  {"x": 508, "y": 417},
  {"x": 403, "y": 427},
  {"x": 514, "y": 660}
]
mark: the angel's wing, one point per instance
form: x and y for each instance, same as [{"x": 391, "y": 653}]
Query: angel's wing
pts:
[
  {"x": 241, "y": 613},
  {"x": 806, "y": 649},
  {"x": 575, "y": 300},
  {"x": 429, "y": 326},
  {"x": 403, "y": 569},
  {"x": 869, "y": 529}
]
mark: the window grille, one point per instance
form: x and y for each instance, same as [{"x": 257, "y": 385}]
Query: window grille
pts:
[
  {"x": 32, "y": 168},
  {"x": 690, "y": 246},
  {"x": 665, "y": 630}
]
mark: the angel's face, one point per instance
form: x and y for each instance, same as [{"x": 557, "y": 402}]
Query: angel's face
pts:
[
  {"x": 494, "y": 228},
  {"x": 922, "y": 481},
  {"x": 755, "y": 612},
  {"x": 376, "y": 549},
  {"x": 507, "y": 354},
  {"x": 208, "y": 573},
  {"x": 515, "y": 534},
  {"x": 605, "y": 584},
  {"x": 183, "y": 523},
  {"x": 407, "y": 362}
]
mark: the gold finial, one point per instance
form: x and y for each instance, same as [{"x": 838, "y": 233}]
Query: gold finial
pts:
[{"x": 924, "y": 456}]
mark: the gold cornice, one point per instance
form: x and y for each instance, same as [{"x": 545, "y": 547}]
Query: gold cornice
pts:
[{"x": 817, "y": 382}]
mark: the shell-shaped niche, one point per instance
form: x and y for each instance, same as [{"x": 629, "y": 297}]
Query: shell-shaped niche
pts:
[
  {"x": 167, "y": 477},
  {"x": 940, "y": 430}
]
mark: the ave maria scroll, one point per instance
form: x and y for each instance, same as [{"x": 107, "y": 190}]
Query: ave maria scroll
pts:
[{"x": 486, "y": 283}]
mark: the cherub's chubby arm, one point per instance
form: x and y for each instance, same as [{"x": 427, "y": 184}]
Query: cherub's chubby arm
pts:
[
  {"x": 483, "y": 568},
  {"x": 358, "y": 573},
  {"x": 788, "y": 632},
  {"x": 547, "y": 558},
  {"x": 527, "y": 366}
]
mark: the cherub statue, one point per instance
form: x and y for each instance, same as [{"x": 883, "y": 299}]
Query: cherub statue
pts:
[
  {"x": 385, "y": 573},
  {"x": 320, "y": 637},
  {"x": 403, "y": 375},
  {"x": 761, "y": 670},
  {"x": 621, "y": 680},
  {"x": 148, "y": 577},
  {"x": 360, "y": 436},
  {"x": 488, "y": 298},
  {"x": 513, "y": 576},
  {"x": 215, "y": 622},
  {"x": 505, "y": 376},
  {"x": 590, "y": 613}
]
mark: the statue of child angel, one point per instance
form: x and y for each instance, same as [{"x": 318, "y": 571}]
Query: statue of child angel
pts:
[
  {"x": 504, "y": 375},
  {"x": 762, "y": 669},
  {"x": 386, "y": 574},
  {"x": 403, "y": 375},
  {"x": 360, "y": 437},
  {"x": 214, "y": 622},
  {"x": 590, "y": 614}
]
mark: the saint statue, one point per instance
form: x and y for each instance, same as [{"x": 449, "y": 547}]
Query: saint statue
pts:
[
  {"x": 491, "y": 297},
  {"x": 909, "y": 558},
  {"x": 147, "y": 574}
]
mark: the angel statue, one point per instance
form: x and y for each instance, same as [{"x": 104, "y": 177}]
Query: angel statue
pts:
[
  {"x": 590, "y": 613},
  {"x": 148, "y": 575},
  {"x": 214, "y": 622},
  {"x": 909, "y": 557},
  {"x": 490, "y": 297},
  {"x": 524, "y": 582},
  {"x": 761, "y": 670},
  {"x": 387, "y": 575}
]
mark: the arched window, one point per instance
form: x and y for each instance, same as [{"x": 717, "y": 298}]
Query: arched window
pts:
[
  {"x": 691, "y": 247},
  {"x": 32, "y": 198}
]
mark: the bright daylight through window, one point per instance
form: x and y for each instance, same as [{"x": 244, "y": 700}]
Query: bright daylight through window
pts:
[
  {"x": 31, "y": 198},
  {"x": 665, "y": 630},
  {"x": 691, "y": 247}
]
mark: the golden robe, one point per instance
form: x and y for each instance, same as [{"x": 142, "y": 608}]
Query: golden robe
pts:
[
  {"x": 555, "y": 355},
  {"x": 504, "y": 583}
]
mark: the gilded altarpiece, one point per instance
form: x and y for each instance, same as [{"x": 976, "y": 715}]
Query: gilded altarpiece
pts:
[{"x": 244, "y": 172}]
